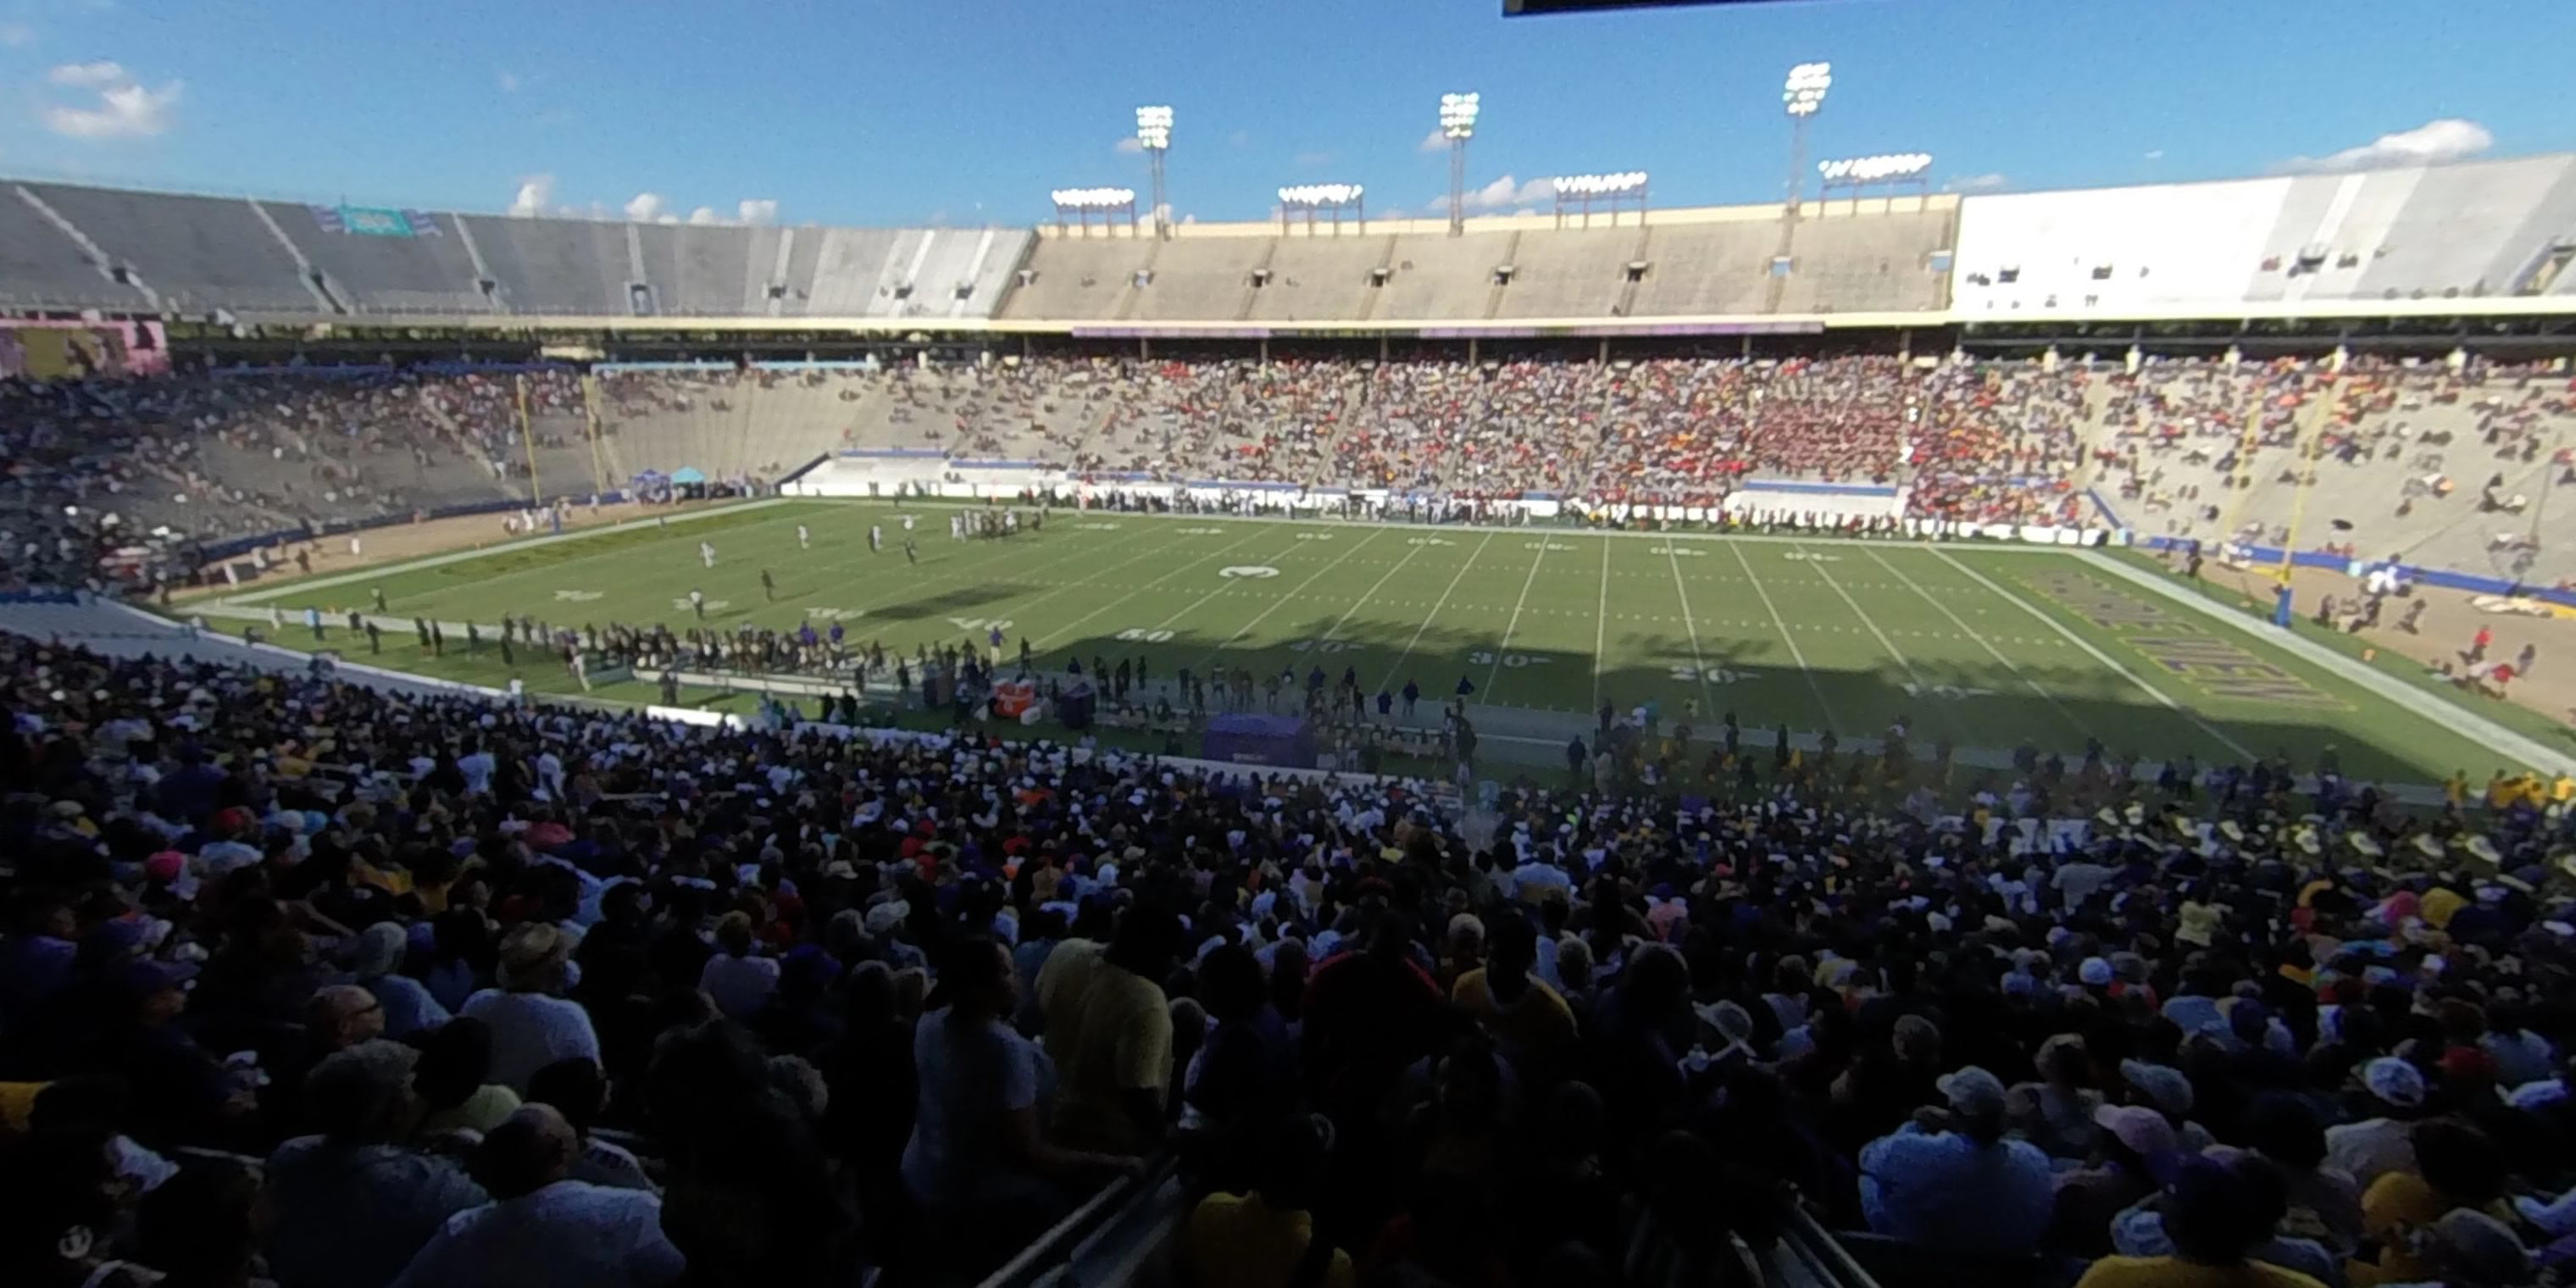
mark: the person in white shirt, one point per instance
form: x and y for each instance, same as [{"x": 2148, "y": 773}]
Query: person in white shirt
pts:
[
  {"x": 707, "y": 553},
  {"x": 542, "y": 1228},
  {"x": 477, "y": 766},
  {"x": 736, "y": 978},
  {"x": 531, "y": 1028},
  {"x": 804, "y": 539}
]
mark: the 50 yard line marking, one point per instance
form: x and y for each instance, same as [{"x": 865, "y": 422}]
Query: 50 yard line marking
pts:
[
  {"x": 1176, "y": 571},
  {"x": 1514, "y": 624},
  {"x": 1796, "y": 654},
  {"x": 1429, "y": 617},
  {"x": 2112, "y": 664},
  {"x": 1240, "y": 631}
]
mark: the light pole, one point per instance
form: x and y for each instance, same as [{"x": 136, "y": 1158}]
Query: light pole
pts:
[
  {"x": 1458, "y": 124},
  {"x": 1802, "y": 96},
  {"x": 1154, "y": 130}
]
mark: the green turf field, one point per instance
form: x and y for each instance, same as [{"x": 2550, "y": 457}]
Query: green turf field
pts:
[{"x": 1985, "y": 646}]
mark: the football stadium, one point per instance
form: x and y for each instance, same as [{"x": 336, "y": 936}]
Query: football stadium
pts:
[{"x": 1905, "y": 729}]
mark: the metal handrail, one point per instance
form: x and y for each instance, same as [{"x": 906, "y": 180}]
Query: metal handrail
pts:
[{"x": 1048, "y": 1248}]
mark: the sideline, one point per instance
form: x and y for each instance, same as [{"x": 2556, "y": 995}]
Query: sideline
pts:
[
  {"x": 330, "y": 580},
  {"x": 2534, "y": 754}
]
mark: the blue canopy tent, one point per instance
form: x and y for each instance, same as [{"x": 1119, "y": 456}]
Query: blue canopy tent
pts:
[{"x": 687, "y": 475}]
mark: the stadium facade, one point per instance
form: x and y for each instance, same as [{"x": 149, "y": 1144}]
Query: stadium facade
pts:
[{"x": 2470, "y": 257}]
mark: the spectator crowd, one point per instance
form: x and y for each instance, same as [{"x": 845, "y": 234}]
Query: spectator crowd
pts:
[{"x": 315, "y": 984}]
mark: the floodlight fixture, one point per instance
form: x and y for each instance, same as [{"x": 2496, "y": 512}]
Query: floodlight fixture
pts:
[
  {"x": 1458, "y": 115},
  {"x": 1333, "y": 199},
  {"x": 1804, "y": 92},
  {"x": 1901, "y": 165},
  {"x": 1094, "y": 198},
  {"x": 1319, "y": 194},
  {"x": 1600, "y": 185},
  {"x": 1154, "y": 127}
]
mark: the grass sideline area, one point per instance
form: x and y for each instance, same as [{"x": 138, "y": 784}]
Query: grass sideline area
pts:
[{"x": 1987, "y": 647}]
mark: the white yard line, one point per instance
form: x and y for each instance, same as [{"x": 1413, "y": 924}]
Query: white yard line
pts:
[
  {"x": 1981, "y": 642},
  {"x": 330, "y": 581},
  {"x": 1601, "y": 625},
  {"x": 1699, "y": 664},
  {"x": 1436, "y": 605},
  {"x": 2162, "y": 698},
  {"x": 1508, "y": 627},
  {"x": 1781, "y": 624},
  {"x": 1275, "y": 602},
  {"x": 1371, "y": 592},
  {"x": 1866, "y": 620},
  {"x": 1177, "y": 569}
]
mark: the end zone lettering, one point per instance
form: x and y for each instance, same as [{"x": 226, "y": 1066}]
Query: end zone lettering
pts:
[{"x": 2214, "y": 666}]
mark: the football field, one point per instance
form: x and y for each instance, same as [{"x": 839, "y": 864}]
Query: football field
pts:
[{"x": 1985, "y": 646}]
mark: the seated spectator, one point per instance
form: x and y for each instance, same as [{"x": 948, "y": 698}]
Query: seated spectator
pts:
[
  {"x": 407, "y": 1005},
  {"x": 2132, "y": 1148},
  {"x": 453, "y": 1081},
  {"x": 738, "y": 979},
  {"x": 543, "y": 1229},
  {"x": 1267, "y": 1237},
  {"x": 352, "y": 1203},
  {"x": 1526, "y": 1017},
  {"x": 203, "y": 1227},
  {"x": 2215, "y": 1219},
  {"x": 2380, "y": 1140},
  {"x": 578, "y": 1091},
  {"x": 1953, "y": 1181},
  {"x": 2140, "y": 1231},
  {"x": 532, "y": 1026},
  {"x": 2457, "y": 1167}
]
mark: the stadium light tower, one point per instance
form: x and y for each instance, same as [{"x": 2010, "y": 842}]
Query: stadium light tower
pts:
[
  {"x": 1154, "y": 130},
  {"x": 1458, "y": 124},
  {"x": 1802, "y": 96},
  {"x": 1332, "y": 197}
]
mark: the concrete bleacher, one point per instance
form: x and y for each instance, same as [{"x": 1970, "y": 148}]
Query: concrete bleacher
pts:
[
  {"x": 1084, "y": 278},
  {"x": 41, "y": 265},
  {"x": 847, "y": 265},
  {"x": 952, "y": 272},
  {"x": 1320, "y": 276},
  {"x": 2110, "y": 248},
  {"x": 1870, "y": 263},
  {"x": 199, "y": 253},
  {"x": 1570, "y": 273},
  {"x": 1438, "y": 278},
  {"x": 1199, "y": 279},
  {"x": 424, "y": 273},
  {"x": 564, "y": 266},
  {"x": 1704, "y": 269},
  {"x": 704, "y": 272},
  {"x": 2474, "y": 229}
]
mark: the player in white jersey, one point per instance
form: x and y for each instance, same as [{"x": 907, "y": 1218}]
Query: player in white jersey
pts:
[
  {"x": 707, "y": 553},
  {"x": 876, "y": 539},
  {"x": 804, "y": 539},
  {"x": 907, "y": 523},
  {"x": 957, "y": 527}
]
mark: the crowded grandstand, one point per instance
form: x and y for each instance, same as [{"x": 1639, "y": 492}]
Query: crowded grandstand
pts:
[{"x": 706, "y": 948}]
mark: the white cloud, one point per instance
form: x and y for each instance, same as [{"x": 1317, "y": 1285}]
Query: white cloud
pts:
[
  {"x": 1988, "y": 182},
  {"x": 1131, "y": 144},
  {"x": 126, "y": 108},
  {"x": 645, "y": 208},
  {"x": 95, "y": 75},
  {"x": 508, "y": 80},
  {"x": 1435, "y": 141},
  {"x": 756, "y": 210},
  {"x": 17, "y": 35},
  {"x": 534, "y": 192},
  {"x": 1505, "y": 193},
  {"x": 2156, "y": 155},
  {"x": 705, "y": 215},
  {"x": 2447, "y": 139}
]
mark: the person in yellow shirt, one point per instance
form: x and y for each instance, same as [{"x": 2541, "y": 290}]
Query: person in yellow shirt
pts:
[
  {"x": 2215, "y": 1217},
  {"x": 2455, "y": 789},
  {"x": 1109, "y": 1031},
  {"x": 1522, "y": 1012},
  {"x": 2457, "y": 1167},
  {"x": 1267, "y": 1238}
]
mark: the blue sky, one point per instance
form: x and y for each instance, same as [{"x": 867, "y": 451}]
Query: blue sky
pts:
[{"x": 968, "y": 111}]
